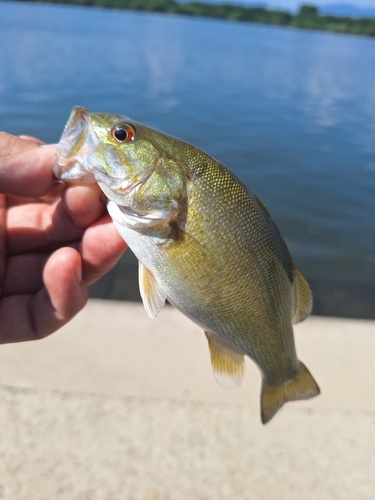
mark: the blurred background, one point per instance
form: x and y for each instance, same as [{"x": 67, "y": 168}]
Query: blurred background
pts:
[{"x": 290, "y": 112}]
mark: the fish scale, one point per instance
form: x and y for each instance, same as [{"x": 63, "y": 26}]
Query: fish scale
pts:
[{"x": 204, "y": 242}]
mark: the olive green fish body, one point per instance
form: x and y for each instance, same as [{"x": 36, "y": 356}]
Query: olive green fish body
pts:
[
  {"x": 204, "y": 243},
  {"x": 221, "y": 271}
]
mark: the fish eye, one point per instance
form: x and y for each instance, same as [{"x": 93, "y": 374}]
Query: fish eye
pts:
[{"x": 123, "y": 132}]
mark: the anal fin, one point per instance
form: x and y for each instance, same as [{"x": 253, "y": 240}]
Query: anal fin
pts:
[
  {"x": 228, "y": 364},
  {"x": 152, "y": 295}
]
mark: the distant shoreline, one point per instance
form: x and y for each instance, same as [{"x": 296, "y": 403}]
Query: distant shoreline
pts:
[{"x": 307, "y": 17}]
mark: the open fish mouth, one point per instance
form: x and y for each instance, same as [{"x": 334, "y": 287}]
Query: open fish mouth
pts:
[
  {"x": 75, "y": 132},
  {"x": 77, "y": 143},
  {"x": 76, "y": 161}
]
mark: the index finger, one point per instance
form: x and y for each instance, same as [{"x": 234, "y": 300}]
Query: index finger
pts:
[{"x": 25, "y": 167}]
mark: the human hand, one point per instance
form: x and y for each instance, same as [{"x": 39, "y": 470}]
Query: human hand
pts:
[{"x": 55, "y": 240}]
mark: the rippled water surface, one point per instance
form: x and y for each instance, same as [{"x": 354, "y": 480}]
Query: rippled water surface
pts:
[{"x": 291, "y": 112}]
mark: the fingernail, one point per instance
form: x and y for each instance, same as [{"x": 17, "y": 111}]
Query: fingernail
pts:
[{"x": 48, "y": 146}]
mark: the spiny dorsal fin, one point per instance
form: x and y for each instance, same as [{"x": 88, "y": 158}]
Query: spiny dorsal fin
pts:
[
  {"x": 227, "y": 363},
  {"x": 152, "y": 295},
  {"x": 302, "y": 386},
  {"x": 301, "y": 296}
]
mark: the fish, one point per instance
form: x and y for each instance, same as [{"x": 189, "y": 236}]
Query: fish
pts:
[{"x": 204, "y": 242}]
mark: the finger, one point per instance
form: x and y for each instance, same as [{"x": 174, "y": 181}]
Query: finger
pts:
[
  {"x": 64, "y": 289},
  {"x": 36, "y": 141},
  {"x": 25, "y": 167},
  {"x": 30, "y": 317},
  {"x": 85, "y": 203},
  {"x": 101, "y": 248},
  {"x": 19, "y": 200},
  {"x": 2, "y": 240},
  {"x": 50, "y": 197},
  {"x": 24, "y": 273},
  {"x": 39, "y": 227}
]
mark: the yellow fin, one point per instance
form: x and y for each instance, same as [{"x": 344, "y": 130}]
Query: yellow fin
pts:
[
  {"x": 152, "y": 295},
  {"x": 302, "y": 386},
  {"x": 302, "y": 297},
  {"x": 228, "y": 364}
]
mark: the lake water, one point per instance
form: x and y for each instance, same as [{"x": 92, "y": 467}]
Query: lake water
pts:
[{"x": 291, "y": 112}]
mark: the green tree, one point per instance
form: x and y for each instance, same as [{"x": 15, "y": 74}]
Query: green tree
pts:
[{"x": 307, "y": 11}]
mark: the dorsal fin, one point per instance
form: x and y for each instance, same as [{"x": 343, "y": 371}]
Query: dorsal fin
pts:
[
  {"x": 152, "y": 295},
  {"x": 228, "y": 364},
  {"x": 302, "y": 297}
]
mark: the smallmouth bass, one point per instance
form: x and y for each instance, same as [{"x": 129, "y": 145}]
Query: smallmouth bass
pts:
[{"x": 204, "y": 242}]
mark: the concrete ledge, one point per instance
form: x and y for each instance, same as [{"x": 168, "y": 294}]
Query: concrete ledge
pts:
[{"x": 116, "y": 406}]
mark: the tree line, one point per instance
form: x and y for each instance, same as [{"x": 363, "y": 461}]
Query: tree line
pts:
[{"x": 307, "y": 17}]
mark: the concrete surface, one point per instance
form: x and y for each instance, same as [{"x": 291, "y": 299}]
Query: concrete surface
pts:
[{"x": 115, "y": 407}]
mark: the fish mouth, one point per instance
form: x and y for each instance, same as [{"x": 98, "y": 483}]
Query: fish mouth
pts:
[
  {"x": 77, "y": 142},
  {"x": 75, "y": 162},
  {"x": 75, "y": 132}
]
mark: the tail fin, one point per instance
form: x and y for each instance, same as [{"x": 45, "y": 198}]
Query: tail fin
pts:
[{"x": 302, "y": 386}]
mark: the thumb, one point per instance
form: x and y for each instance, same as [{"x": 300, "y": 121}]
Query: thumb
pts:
[{"x": 25, "y": 167}]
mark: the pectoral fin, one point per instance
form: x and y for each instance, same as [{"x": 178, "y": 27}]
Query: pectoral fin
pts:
[
  {"x": 152, "y": 295},
  {"x": 302, "y": 297},
  {"x": 227, "y": 363}
]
